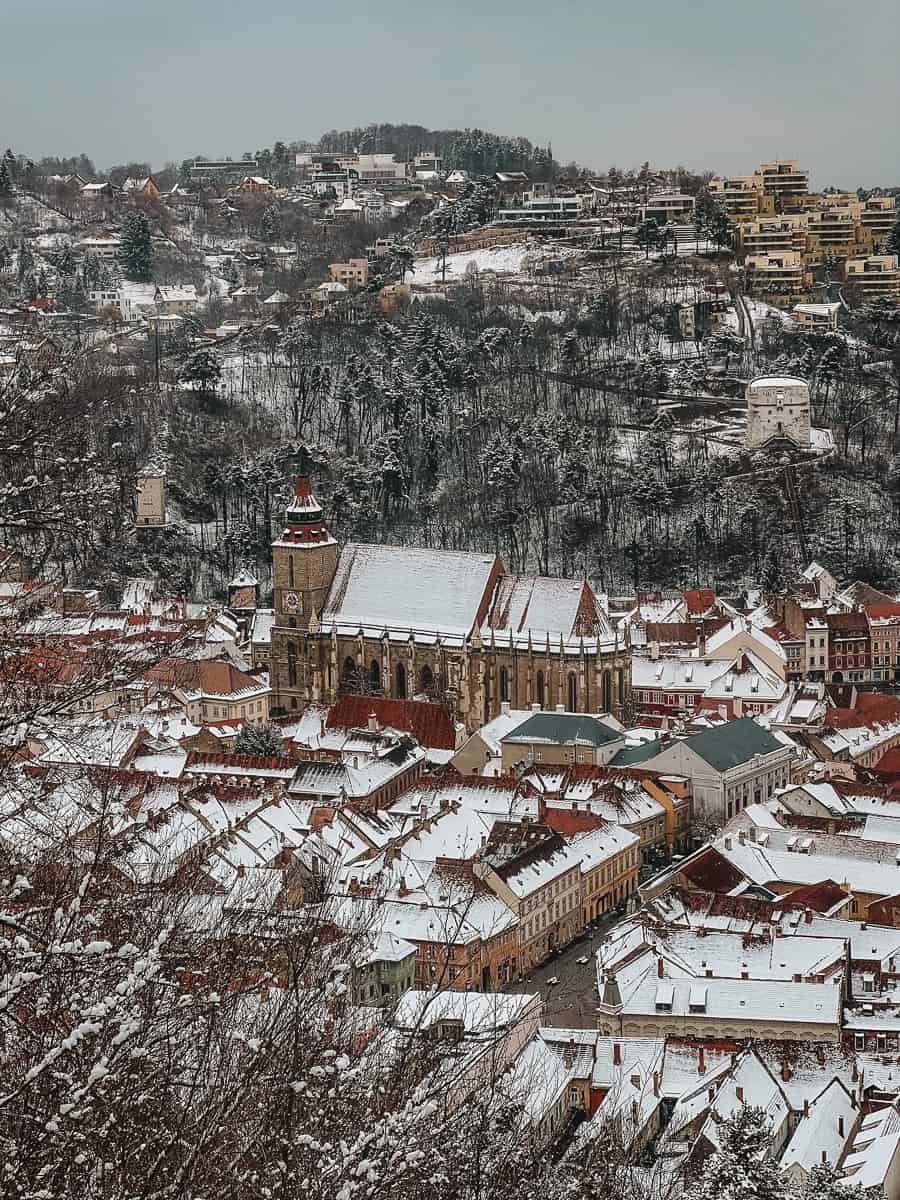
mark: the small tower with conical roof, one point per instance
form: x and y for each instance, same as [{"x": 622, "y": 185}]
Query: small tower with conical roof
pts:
[{"x": 304, "y": 560}]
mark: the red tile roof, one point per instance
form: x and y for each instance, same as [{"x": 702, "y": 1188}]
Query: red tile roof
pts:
[
  {"x": 568, "y": 823},
  {"x": 889, "y": 763},
  {"x": 820, "y": 897},
  {"x": 698, "y": 600},
  {"x": 883, "y": 610},
  {"x": 429, "y": 724},
  {"x": 249, "y": 762},
  {"x": 710, "y": 871},
  {"x": 872, "y": 708}
]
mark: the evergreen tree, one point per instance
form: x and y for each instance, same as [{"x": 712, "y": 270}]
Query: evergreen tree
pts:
[
  {"x": 741, "y": 1168},
  {"x": 825, "y": 1183},
  {"x": 25, "y": 259},
  {"x": 203, "y": 370},
  {"x": 892, "y": 244},
  {"x": 136, "y": 251},
  {"x": 264, "y": 741},
  {"x": 649, "y": 237},
  {"x": 711, "y": 220}
]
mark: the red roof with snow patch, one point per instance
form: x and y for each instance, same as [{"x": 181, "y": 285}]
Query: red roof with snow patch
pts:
[
  {"x": 820, "y": 897},
  {"x": 568, "y": 823},
  {"x": 698, "y": 600},
  {"x": 711, "y": 872},
  {"x": 429, "y": 724}
]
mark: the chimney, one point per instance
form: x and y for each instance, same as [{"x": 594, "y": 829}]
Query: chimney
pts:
[
  {"x": 656, "y": 1083},
  {"x": 824, "y": 1156},
  {"x": 807, "y": 915},
  {"x": 728, "y": 843},
  {"x": 785, "y": 1072},
  {"x": 373, "y": 723},
  {"x": 840, "y": 1126},
  {"x": 805, "y": 1106},
  {"x": 739, "y": 1092},
  {"x": 617, "y": 1054},
  {"x": 742, "y": 837},
  {"x": 659, "y": 968},
  {"x": 404, "y": 890},
  {"x": 711, "y": 1093},
  {"x": 701, "y": 1063},
  {"x": 708, "y": 973},
  {"x": 701, "y": 641}
]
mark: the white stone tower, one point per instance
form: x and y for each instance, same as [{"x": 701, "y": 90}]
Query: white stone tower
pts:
[
  {"x": 150, "y": 501},
  {"x": 778, "y": 409}
]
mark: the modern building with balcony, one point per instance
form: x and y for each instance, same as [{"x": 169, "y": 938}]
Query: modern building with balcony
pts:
[
  {"x": 874, "y": 275},
  {"x": 783, "y": 177},
  {"x": 742, "y": 196},
  {"x": 836, "y": 231},
  {"x": 879, "y": 215},
  {"x": 670, "y": 206},
  {"x": 773, "y": 235},
  {"x": 781, "y": 274}
]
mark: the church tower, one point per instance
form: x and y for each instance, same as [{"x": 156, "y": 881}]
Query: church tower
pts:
[{"x": 304, "y": 560}]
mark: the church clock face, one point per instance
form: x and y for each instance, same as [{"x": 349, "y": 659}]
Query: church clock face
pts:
[{"x": 291, "y": 602}]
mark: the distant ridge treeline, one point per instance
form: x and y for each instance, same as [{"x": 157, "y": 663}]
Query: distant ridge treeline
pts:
[{"x": 472, "y": 150}]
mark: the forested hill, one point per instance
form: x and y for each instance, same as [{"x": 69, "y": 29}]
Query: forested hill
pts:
[{"x": 473, "y": 150}]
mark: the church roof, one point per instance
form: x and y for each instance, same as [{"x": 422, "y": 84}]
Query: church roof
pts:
[
  {"x": 407, "y": 588},
  {"x": 537, "y": 605}
]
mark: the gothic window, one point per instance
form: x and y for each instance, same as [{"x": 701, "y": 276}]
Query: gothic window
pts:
[
  {"x": 375, "y": 675},
  {"x": 607, "y": 691},
  {"x": 349, "y": 675},
  {"x": 401, "y": 681},
  {"x": 426, "y": 680},
  {"x": 291, "y": 570},
  {"x": 539, "y": 688},
  {"x": 292, "y": 664},
  {"x": 620, "y": 686},
  {"x": 572, "y": 692},
  {"x": 504, "y": 683}
]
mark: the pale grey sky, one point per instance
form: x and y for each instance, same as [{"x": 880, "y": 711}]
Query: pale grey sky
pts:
[{"x": 706, "y": 83}]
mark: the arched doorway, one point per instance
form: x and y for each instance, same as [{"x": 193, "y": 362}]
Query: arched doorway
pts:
[
  {"x": 375, "y": 675},
  {"x": 400, "y": 686},
  {"x": 572, "y": 692},
  {"x": 539, "y": 688}
]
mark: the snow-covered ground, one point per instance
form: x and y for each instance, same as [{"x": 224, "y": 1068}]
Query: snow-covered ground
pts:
[{"x": 504, "y": 260}]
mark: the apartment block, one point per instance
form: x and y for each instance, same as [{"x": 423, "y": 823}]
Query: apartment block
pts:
[
  {"x": 879, "y": 215},
  {"x": 874, "y": 275},
  {"x": 783, "y": 274},
  {"x": 352, "y": 274},
  {"x": 838, "y": 231},
  {"x": 673, "y": 206},
  {"x": 742, "y": 196},
  {"x": 773, "y": 235},
  {"x": 783, "y": 177}
]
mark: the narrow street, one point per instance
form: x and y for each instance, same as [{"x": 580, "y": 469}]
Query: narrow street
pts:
[{"x": 572, "y": 1002}]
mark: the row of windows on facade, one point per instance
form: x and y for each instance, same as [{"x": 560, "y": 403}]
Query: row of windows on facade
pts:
[
  {"x": 686, "y": 699},
  {"x": 212, "y": 711},
  {"x": 352, "y": 677}
]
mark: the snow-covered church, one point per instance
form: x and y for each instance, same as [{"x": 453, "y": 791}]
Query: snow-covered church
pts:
[{"x": 448, "y": 626}]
